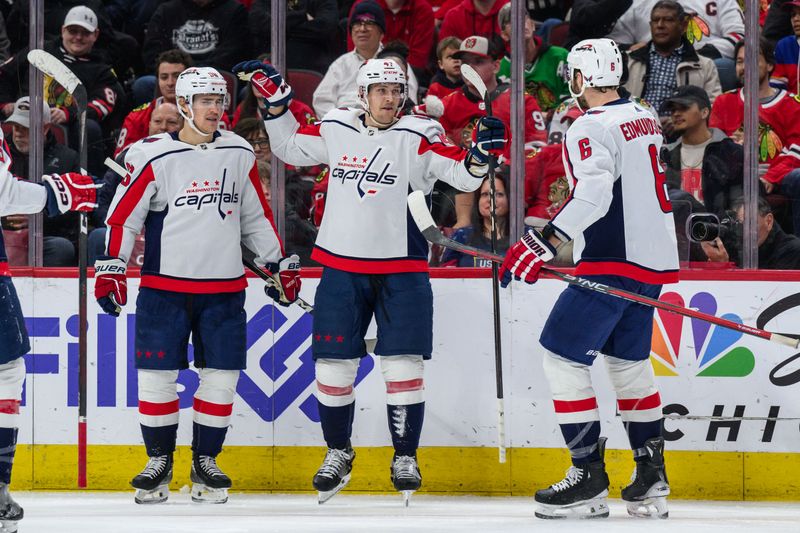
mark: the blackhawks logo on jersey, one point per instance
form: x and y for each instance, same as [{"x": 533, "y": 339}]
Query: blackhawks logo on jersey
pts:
[
  {"x": 544, "y": 96},
  {"x": 697, "y": 29},
  {"x": 769, "y": 144}
]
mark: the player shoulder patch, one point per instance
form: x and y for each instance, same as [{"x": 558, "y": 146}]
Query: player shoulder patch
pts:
[{"x": 148, "y": 140}]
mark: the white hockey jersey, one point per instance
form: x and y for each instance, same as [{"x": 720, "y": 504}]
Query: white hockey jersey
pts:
[
  {"x": 367, "y": 227},
  {"x": 16, "y": 198},
  {"x": 716, "y": 22},
  {"x": 618, "y": 212},
  {"x": 197, "y": 204}
]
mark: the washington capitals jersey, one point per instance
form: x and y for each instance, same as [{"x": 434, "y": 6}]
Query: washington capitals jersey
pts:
[
  {"x": 367, "y": 227},
  {"x": 16, "y": 198},
  {"x": 197, "y": 204},
  {"x": 618, "y": 212}
]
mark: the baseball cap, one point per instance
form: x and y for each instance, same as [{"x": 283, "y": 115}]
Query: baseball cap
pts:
[
  {"x": 370, "y": 12},
  {"x": 22, "y": 113},
  {"x": 687, "y": 95},
  {"x": 476, "y": 45},
  {"x": 81, "y": 16}
]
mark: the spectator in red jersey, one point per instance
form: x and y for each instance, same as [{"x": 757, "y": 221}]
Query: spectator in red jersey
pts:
[
  {"x": 787, "y": 53},
  {"x": 169, "y": 65},
  {"x": 472, "y": 17},
  {"x": 448, "y": 78},
  {"x": 546, "y": 185},
  {"x": 410, "y": 21}
]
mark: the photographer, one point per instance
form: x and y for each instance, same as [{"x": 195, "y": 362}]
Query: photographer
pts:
[{"x": 776, "y": 250}]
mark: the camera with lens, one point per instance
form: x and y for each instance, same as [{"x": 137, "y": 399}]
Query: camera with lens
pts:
[{"x": 705, "y": 227}]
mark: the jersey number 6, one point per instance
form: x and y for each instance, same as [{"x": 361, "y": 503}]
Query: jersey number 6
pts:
[{"x": 660, "y": 178}]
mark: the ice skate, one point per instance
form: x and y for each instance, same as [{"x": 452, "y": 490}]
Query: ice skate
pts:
[
  {"x": 209, "y": 483},
  {"x": 581, "y": 494},
  {"x": 152, "y": 484},
  {"x": 334, "y": 474},
  {"x": 10, "y": 511},
  {"x": 405, "y": 476},
  {"x": 646, "y": 496}
]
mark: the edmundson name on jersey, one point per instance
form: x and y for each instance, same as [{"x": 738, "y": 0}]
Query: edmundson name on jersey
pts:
[{"x": 640, "y": 127}]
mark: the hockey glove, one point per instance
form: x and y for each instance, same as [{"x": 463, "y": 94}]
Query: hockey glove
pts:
[
  {"x": 525, "y": 258},
  {"x": 110, "y": 284},
  {"x": 286, "y": 274},
  {"x": 488, "y": 138},
  {"x": 267, "y": 82},
  {"x": 70, "y": 192}
]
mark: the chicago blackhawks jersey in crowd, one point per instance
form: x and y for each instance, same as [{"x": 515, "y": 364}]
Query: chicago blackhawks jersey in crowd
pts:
[
  {"x": 778, "y": 128},
  {"x": 367, "y": 228},
  {"x": 16, "y": 198},
  {"x": 197, "y": 203},
  {"x": 618, "y": 213},
  {"x": 461, "y": 107},
  {"x": 718, "y": 23}
]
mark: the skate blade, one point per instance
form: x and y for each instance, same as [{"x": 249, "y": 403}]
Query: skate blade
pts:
[
  {"x": 150, "y": 497},
  {"x": 406, "y": 496},
  {"x": 8, "y": 526},
  {"x": 586, "y": 509},
  {"x": 203, "y": 494},
  {"x": 325, "y": 495},
  {"x": 649, "y": 508}
]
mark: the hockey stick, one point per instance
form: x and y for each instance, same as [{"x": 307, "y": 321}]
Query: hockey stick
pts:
[
  {"x": 471, "y": 76},
  {"x": 305, "y": 306},
  {"x": 422, "y": 217},
  {"x": 54, "y": 68}
]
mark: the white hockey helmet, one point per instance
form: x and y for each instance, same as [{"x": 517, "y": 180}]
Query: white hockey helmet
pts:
[
  {"x": 199, "y": 80},
  {"x": 379, "y": 71},
  {"x": 599, "y": 61}
]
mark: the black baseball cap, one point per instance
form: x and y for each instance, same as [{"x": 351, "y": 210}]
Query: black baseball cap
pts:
[{"x": 687, "y": 95}]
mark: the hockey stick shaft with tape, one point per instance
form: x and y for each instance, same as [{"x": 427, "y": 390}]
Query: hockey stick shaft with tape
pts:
[
  {"x": 424, "y": 221},
  {"x": 53, "y": 67}
]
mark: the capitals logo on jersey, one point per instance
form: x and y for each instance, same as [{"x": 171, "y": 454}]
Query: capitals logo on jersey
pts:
[
  {"x": 208, "y": 192},
  {"x": 369, "y": 176}
]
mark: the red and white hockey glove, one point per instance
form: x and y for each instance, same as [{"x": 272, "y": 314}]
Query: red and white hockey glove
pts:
[
  {"x": 488, "y": 138},
  {"x": 70, "y": 192},
  {"x": 110, "y": 284},
  {"x": 286, "y": 274},
  {"x": 525, "y": 258},
  {"x": 266, "y": 81}
]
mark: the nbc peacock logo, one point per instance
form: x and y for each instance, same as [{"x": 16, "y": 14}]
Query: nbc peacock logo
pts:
[{"x": 716, "y": 353}]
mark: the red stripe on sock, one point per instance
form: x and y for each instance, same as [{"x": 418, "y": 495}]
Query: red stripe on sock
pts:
[
  {"x": 159, "y": 409},
  {"x": 640, "y": 404},
  {"x": 215, "y": 409},
  {"x": 575, "y": 406},
  {"x": 330, "y": 390},
  {"x": 9, "y": 407},
  {"x": 404, "y": 386}
]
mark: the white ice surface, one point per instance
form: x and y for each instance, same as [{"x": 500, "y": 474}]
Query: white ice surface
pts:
[{"x": 70, "y": 512}]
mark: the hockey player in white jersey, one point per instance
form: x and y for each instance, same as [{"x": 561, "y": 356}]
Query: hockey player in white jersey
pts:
[
  {"x": 620, "y": 219},
  {"x": 58, "y": 194},
  {"x": 198, "y": 196},
  {"x": 374, "y": 257}
]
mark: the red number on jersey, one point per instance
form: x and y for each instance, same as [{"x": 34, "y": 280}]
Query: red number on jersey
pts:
[
  {"x": 586, "y": 150},
  {"x": 661, "y": 180}
]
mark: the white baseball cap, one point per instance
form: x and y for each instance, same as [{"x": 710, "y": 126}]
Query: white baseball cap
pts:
[
  {"x": 81, "y": 16},
  {"x": 22, "y": 113}
]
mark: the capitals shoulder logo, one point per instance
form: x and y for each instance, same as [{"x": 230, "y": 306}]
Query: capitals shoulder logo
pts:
[
  {"x": 202, "y": 192},
  {"x": 715, "y": 352},
  {"x": 369, "y": 174}
]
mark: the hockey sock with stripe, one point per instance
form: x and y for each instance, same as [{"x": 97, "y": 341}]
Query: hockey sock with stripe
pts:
[
  {"x": 581, "y": 439},
  {"x": 405, "y": 425},
  {"x": 639, "y": 433},
  {"x": 337, "y": 424}
]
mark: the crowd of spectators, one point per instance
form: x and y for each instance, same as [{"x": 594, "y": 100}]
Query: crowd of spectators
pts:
[{"x": 683, "y": 61}]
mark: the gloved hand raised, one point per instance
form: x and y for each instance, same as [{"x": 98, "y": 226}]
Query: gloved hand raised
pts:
[
  {"x": 70, "y": 192},
  {"x": 266, "y": 81},
  {"x": 488, "y": 138}
]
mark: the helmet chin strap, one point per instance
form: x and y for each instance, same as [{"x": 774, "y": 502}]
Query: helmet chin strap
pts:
[{"x": 577, "y": 96}]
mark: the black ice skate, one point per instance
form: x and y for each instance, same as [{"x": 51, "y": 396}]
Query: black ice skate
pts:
[
  {"x": 582, "y": 494},
  {"x": 152, "y": 484},
  {"x": 10, "y": 511},
  {"x": 209, "y": 483},
  {"x": 334, "y": 474},
  {"x": 405, "y": 475},
  {"x": 646, "y": 496}
]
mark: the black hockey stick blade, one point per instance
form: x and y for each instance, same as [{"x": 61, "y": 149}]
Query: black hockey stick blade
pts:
[
  {"x": 54, "y": 68},
  {"x": 422, "y": 217}
]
